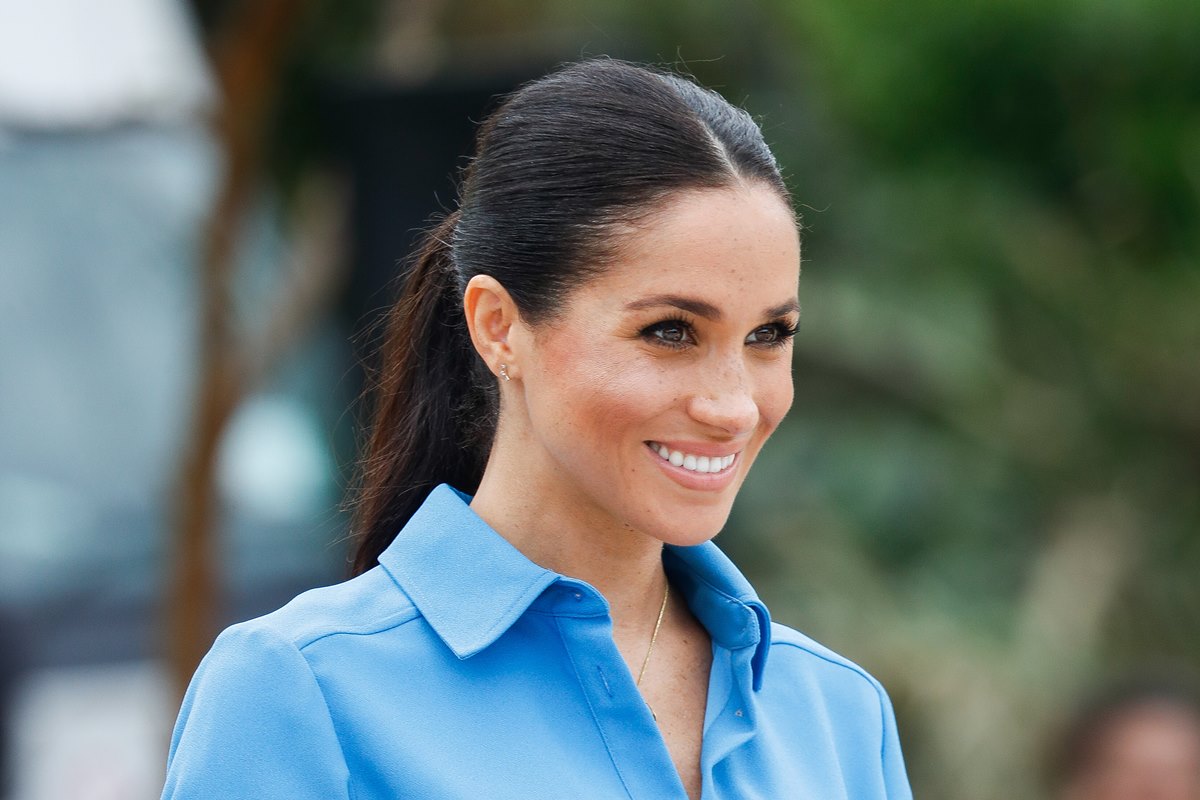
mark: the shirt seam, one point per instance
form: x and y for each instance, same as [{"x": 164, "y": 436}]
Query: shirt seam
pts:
[
  {"x": 861, "y": 673},
  {"x": 848, "y": 666},
  {"x": 389, "y": 623},
  {"x": 883, "y": 737},
  {"x": 350, "y": 792}
]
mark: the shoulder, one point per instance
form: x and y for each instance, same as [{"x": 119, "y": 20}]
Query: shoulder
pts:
[
  {"x": 367, "y": 604},
  {"x": 845, "y": 704},
  {"x": 257, "y": 712},
  {"x": 239, "y": 679},
  {"x": 800, "y": 658},
  {"x": 787, "y": 642}
]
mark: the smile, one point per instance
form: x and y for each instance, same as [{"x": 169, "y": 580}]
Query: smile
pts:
[{"x": 694, "y": 463}]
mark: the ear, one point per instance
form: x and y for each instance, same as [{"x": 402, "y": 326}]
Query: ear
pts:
[{"x": 491, "y": 317}]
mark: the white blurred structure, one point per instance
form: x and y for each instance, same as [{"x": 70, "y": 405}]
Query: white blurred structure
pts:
[
  {"x": 82, "y": 63},
  {"x": 108, "y": 172},
  {"x": 94, "y": 733}
]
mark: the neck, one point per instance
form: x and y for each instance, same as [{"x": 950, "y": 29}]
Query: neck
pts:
[{"x": 569, "y": 535}]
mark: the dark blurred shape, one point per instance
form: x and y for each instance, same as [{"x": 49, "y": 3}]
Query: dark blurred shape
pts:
[
  {"x": 11, "y": 664},
  {"x": 1135, "y": 740},
  {"x": 402, "y": 148}
]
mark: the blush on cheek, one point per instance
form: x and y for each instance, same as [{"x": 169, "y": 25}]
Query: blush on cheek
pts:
[
  {"x": 781, "y": 403},
  {"x": 586, "y": 391}
]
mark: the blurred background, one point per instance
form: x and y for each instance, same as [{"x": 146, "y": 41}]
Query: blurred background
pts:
[{"x": 988, "y": 490}]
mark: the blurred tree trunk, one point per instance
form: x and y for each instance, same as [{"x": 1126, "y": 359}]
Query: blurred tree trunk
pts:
[{"x": 247, "y": 55}]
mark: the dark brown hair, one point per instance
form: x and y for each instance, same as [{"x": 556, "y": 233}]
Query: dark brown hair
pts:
[{"x": 561, "y": 163}]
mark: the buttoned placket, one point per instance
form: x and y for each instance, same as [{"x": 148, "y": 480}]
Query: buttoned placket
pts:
[
  {"x": 635, "y": 745},
  {"x": 730, "y": 716}
]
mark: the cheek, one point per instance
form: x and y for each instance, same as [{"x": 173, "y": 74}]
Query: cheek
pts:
[
  {"x": 776, "y": 398},
  {"x": 601, "y": 395},
  {"x": 584, "y": 390}
]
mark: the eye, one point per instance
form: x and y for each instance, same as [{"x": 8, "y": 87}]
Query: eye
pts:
[
  {"x": 774, "y": 335},
  {"x": 670, "y": 332}
]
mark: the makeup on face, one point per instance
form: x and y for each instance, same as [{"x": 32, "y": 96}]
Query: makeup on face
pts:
[{"x": 650, "y": 395}]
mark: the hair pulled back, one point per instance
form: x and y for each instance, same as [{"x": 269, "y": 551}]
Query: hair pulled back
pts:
[{"x": 558, "y": 167}]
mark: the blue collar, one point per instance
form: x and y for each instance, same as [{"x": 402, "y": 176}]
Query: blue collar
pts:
[{"x": 471, "y": 585}]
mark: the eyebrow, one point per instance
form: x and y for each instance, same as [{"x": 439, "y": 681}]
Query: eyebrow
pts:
[
  {"x": 783, "y": 309},
  {"x": 702, "y": 308}
]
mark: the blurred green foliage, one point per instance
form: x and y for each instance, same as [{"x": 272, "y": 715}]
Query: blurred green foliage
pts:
[{"x": 987, "y": 490}]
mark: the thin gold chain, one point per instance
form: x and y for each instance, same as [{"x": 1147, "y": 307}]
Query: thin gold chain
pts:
[{"x": 654, "y": 638}]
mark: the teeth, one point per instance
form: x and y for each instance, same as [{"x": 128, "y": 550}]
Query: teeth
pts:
[{"x": 701, "y": 464}]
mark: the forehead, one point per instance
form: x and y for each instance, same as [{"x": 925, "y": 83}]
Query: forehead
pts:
[{"x": 722, "y": 245}]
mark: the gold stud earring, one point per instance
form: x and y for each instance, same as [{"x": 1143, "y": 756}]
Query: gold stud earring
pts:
[{"x": 504, "y": 372}]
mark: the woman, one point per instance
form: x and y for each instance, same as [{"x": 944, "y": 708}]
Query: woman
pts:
[{"x": 584, "y": 363}]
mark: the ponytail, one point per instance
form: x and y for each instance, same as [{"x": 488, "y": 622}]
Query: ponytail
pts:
[{"x": 435, "y": 403}]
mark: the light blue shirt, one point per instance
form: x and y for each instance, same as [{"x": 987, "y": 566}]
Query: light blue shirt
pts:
[{"x": 460, "y": 669}]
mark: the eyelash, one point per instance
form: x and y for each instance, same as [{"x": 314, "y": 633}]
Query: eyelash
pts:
[{"x": 784, "y": 331}]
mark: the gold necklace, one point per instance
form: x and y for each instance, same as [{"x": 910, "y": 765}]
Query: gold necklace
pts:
[{"x": 654, "y": 638}]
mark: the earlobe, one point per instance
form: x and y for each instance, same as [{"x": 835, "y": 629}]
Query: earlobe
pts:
[{"x": 491, "y": 314}]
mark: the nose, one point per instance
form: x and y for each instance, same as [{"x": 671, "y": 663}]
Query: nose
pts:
[{"x": 726, "y": 400}]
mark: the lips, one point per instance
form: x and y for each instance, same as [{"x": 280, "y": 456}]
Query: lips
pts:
[{"x": 694, "y": 462}]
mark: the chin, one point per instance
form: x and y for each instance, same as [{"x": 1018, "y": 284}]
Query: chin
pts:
[{"x": 688, "y": 526}]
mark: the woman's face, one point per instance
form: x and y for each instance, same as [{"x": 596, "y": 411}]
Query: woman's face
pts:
[{"x": 649, "y": 396}]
